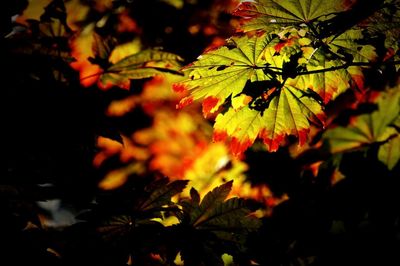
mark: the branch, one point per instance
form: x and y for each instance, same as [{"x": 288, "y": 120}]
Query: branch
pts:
[{"x": 343, "y": 66}]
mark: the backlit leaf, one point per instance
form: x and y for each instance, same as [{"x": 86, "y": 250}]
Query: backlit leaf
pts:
[
  {"x": 289, "y": 113},
  {"x": 273, "y": 106},
  {"x": 224, "y": 72},
  {"x": 144, "y": 64},
  {"x": 368, "y": 128},
  {"x": 268, "y": 15},
  {"x": 333, "y": 56},
  {"x": 389, "y": 152}
]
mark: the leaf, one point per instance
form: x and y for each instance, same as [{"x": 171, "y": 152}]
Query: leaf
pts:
[
  {"x": 386, "y": 22},
  {"x": 216, "y": 214},
  {"x": 195, "y": 196},
  {"x": 215, "y": 226},
  {"x": 275, "y": 107},
  {"x": 33, "y": 11},
  {"x": 268, "y": 15},
  {"x": 161, "y": 193},
  {"x": 218, "y": 194},
  {"x": 290, "y": 112},
  {"x": 367, "y": 129},
  {"x": 121, "y": 230},
  {"x": 117, "y": 226},
  {"x": 144, "y": 64},
  {"x": 389, "y": 152},
  {"x": 223, "y": 73},
  {"x": 336, "y": 57}
]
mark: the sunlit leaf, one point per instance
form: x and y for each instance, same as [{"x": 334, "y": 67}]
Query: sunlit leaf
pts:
[
  {"x": 338, "y": 55},
  {"x": 268, "y": 15},
  {"x": 124, "y": 50},
  {"x": 175, "y": 3},
  {"x": 368, "y": 128},
  {"x": 389, "y": 152},
  {"x": 144, "y": 64},
  {"x": 81, "y": 50},
  {"x": 223, "y": 73},
  {"x": 34, "y": 10},
  {"x": 386, "y": 22},
  {"x": 117, "y": 178},
  {"x": 76, "y": 13},
  {"x": 289, "y": 113},
  {"x": 275, "y": 106}
]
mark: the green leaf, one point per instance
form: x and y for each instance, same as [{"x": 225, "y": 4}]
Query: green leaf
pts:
[
  {"x": 264, "y": 104},
  {"x": 336, "y": 60},
  {"x": 144, "y": 64},
  {"x": 223, "y": 73},
  {"x": 370, "y": 128},
  {"x": 386, "y": 22},
  {"x": 389, "y": 152},
  {"x": 268, "y": 15},
  {"x": 289, "y": 113}
]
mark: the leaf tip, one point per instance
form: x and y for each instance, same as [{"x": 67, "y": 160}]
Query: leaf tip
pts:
[
  {"x": 238, "y": 147},
  {"x": 303, "y": 136},
  {"x": 272, "y": 143},
  {"x": 210, "y": 105},
  {"x": 179, "y": 87},
  {"x": 184, "y": 102},
  {"x": 219, "y": 135}
]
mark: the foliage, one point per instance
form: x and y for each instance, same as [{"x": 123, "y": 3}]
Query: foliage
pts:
[
  {"x": 278, "y": 145},
  {"x": 280, "y": 79}
]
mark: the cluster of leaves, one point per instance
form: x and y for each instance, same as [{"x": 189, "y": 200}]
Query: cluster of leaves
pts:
[
  {"x": 201, "y": 231},
  {"x": 130, "y": 220},
  {"x": 101, "y": 141},
  {"x": 297, "y": 57}
]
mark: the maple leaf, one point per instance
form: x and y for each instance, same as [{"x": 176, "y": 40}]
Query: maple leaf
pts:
[
  {"x": 386, "y": 22},
  {"x": 142, "y": 209},
  {"x": 369, "y": 128},
  {"x": 335, "y": 66},
  {"x": 216, "y": 214},
  {"x": 144, "y": 64},
  {"x": 389, "y": 152},
  {"x": 289, "y": 113},
  {"x": 268, "y": 15},
  {"x": 160, "y": 193},
  {"x": 224, "y": 72},
  {"x": 212, "y": 222},
  {"x": 265, "y": 103}
]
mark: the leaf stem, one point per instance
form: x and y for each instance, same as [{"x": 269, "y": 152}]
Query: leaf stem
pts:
[{"x": 92, "y": 75}]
